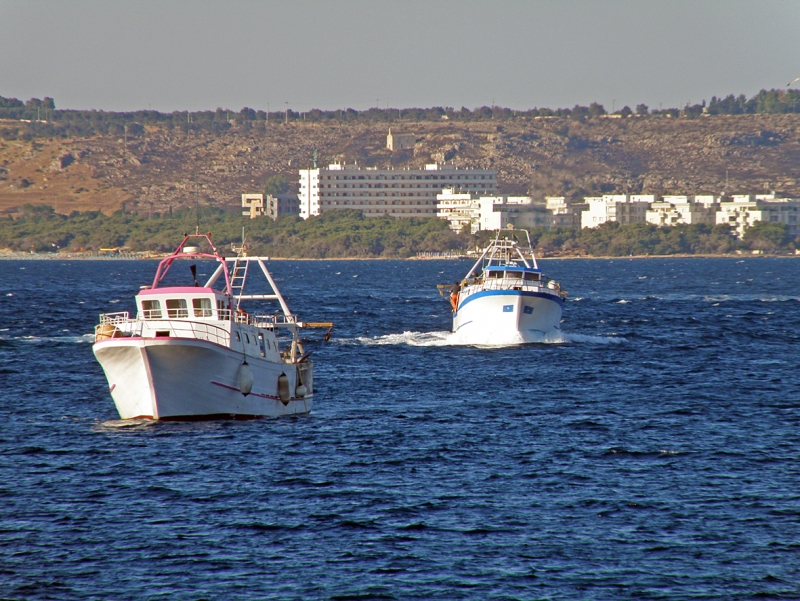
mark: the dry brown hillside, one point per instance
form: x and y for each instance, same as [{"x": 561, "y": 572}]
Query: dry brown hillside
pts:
[{"x": 164, "y": 168}]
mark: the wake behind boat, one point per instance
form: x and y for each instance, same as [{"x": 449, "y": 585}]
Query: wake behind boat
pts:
[
  {"x": 505, "y": 298},
  {"x": 192, "y": 352}
]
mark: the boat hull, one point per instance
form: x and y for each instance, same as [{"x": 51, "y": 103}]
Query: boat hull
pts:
[
  {"x": 508, "y": 317},
  {"x": 174, "y": 378}
]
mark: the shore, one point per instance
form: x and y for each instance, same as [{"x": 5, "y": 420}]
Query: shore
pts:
[{"x": 22, "y": 256}]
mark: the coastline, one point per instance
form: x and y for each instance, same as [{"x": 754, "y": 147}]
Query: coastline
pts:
[{"x": 21, "y": 256}]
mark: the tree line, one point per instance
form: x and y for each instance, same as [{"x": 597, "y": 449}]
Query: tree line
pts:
[
  {"x": 344, "y": 233},
  {"x": 40, "y": 118},
  {"x": 348, "y": 233}
]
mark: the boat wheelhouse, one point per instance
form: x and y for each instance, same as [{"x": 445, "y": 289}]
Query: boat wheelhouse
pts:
[
  {"x": 506, "y": 298},
  {"x": 193, "y": 352}
]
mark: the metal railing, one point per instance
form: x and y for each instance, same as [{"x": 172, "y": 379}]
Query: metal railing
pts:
[
  {"x": 545, "y": 285},
  {"x": 114, "y": 318},
  {"x": 123, "y": 326}
]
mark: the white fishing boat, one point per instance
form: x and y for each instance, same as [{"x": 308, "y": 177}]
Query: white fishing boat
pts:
[
  {"x": 505, "y": 298},
  {"x": 193, "y": 352}
]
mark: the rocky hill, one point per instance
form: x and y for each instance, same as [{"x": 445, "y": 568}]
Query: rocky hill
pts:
[{"x": 163, "y": 167}]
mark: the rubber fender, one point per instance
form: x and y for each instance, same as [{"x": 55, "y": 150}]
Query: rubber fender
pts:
[
  {"x": 283, "y": 389},
  {"x": 301, "y": 391},
  {"x": 245, "y": 378}
]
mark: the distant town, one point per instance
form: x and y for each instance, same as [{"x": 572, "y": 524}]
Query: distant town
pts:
[{"x": 467, "y": 199}]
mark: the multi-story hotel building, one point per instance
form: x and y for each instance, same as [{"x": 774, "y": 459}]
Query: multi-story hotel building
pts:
[
  {"x": 744, "y": 210},
  {"x": 622, "y": 208},
  {"x": 491, "y": 212},
  {"x": 395, "y": 192},
  {"x": 676, "y": 210}
]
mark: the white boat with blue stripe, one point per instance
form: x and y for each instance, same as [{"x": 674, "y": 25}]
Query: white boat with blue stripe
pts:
[{"x": 505, "y": 298}]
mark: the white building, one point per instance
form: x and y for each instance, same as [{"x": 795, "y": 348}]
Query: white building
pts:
[
  {"x": 254, "y": 203},
  {"x": 674, "y": 210},
  {"x": 744, "y": 210},
  {"x": 461, "y": 209},
  {"x": 400, "y": 141},
  {"x": 492, "y": 212},
  {"x": 396, "y": 192},
  {"x": 276, "y": 205},
  {"x": 272, "y": 206},
  {"x": 564, "y": 214},
  {"x": 622, "y": 208}
]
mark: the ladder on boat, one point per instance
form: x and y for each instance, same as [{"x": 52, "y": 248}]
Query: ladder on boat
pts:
[{"x": 238, "y": 279}]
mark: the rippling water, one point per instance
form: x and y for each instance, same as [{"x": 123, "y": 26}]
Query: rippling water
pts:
[{"x": 651, "y": 454}]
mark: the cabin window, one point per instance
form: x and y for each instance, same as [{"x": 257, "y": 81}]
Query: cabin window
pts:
[
  {"x": 262, "y": 344},
  {"x": 514, "y": 274},
  {"x": 176, "y": 307},
  {"x": 247, "y": 339},
  {"x": 532, "y": 277},
  {"x": 495, "y": 274},
  {"x": 151, "y": 309},
  {"x": 202, "y": 307},
  {"x": 238, "y": 338},
  {"x": 220, "y": 309}
]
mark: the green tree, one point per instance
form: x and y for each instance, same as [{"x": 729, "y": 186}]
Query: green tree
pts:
[
  {"x": 766, "y": 235},
  {"x": 277, "y": 184}
]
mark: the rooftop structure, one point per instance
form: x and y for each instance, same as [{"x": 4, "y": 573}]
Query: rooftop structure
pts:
[{"x": 376, "y": 192}]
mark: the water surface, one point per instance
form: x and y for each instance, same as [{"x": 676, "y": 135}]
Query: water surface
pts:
[{"x": 653, "y": 454}]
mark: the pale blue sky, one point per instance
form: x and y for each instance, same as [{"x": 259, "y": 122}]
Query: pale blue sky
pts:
[{"x": 201, "y": 55}]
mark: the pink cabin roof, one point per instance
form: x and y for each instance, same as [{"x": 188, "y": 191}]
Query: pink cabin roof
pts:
[{"x": 180, "y": 290}]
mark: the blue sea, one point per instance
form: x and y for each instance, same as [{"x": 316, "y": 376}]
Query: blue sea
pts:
[{"x": 653, "y": 453}]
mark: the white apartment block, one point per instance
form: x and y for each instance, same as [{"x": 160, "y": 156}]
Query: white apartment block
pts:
[
  {"x": 674, "y": 210},
  {"x": 491, "y": 212},
  {"x": 477, "y": 212},
  {"x": 461, "y": 209},
  {"x": 743, "y": 210},
  {"x": 622, "y": 208},
  {"x": 396, "y": 192},
  {"x": 564, "y": 214}
]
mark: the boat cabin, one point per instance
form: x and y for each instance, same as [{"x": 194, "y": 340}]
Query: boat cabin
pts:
[
  {"x": 511, "y": 273},
  {"x": 182, "y": 302}
]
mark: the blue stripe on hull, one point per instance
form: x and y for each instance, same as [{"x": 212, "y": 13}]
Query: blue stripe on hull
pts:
[{"x": 477, "y": 295}]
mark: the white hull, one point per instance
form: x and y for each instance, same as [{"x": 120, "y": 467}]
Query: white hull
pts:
[
  {"x": 495, "y": 317},
  {"x": 183, "y": 378}
]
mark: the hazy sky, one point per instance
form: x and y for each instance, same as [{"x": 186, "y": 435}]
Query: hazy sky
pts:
[{"x": 177, "y": 55}]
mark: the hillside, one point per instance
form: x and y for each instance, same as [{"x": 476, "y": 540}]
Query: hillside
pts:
[{"x": 163, "y": 166}]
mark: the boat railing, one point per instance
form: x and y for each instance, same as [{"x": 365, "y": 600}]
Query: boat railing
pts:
[
  {"x": 199, "y": 330},
  {"x": 119, "y": 325},
  {"x": 272, "y": 321},
  {"x": 545, "y": 285},
  {"x": 114, "y": 318}
]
